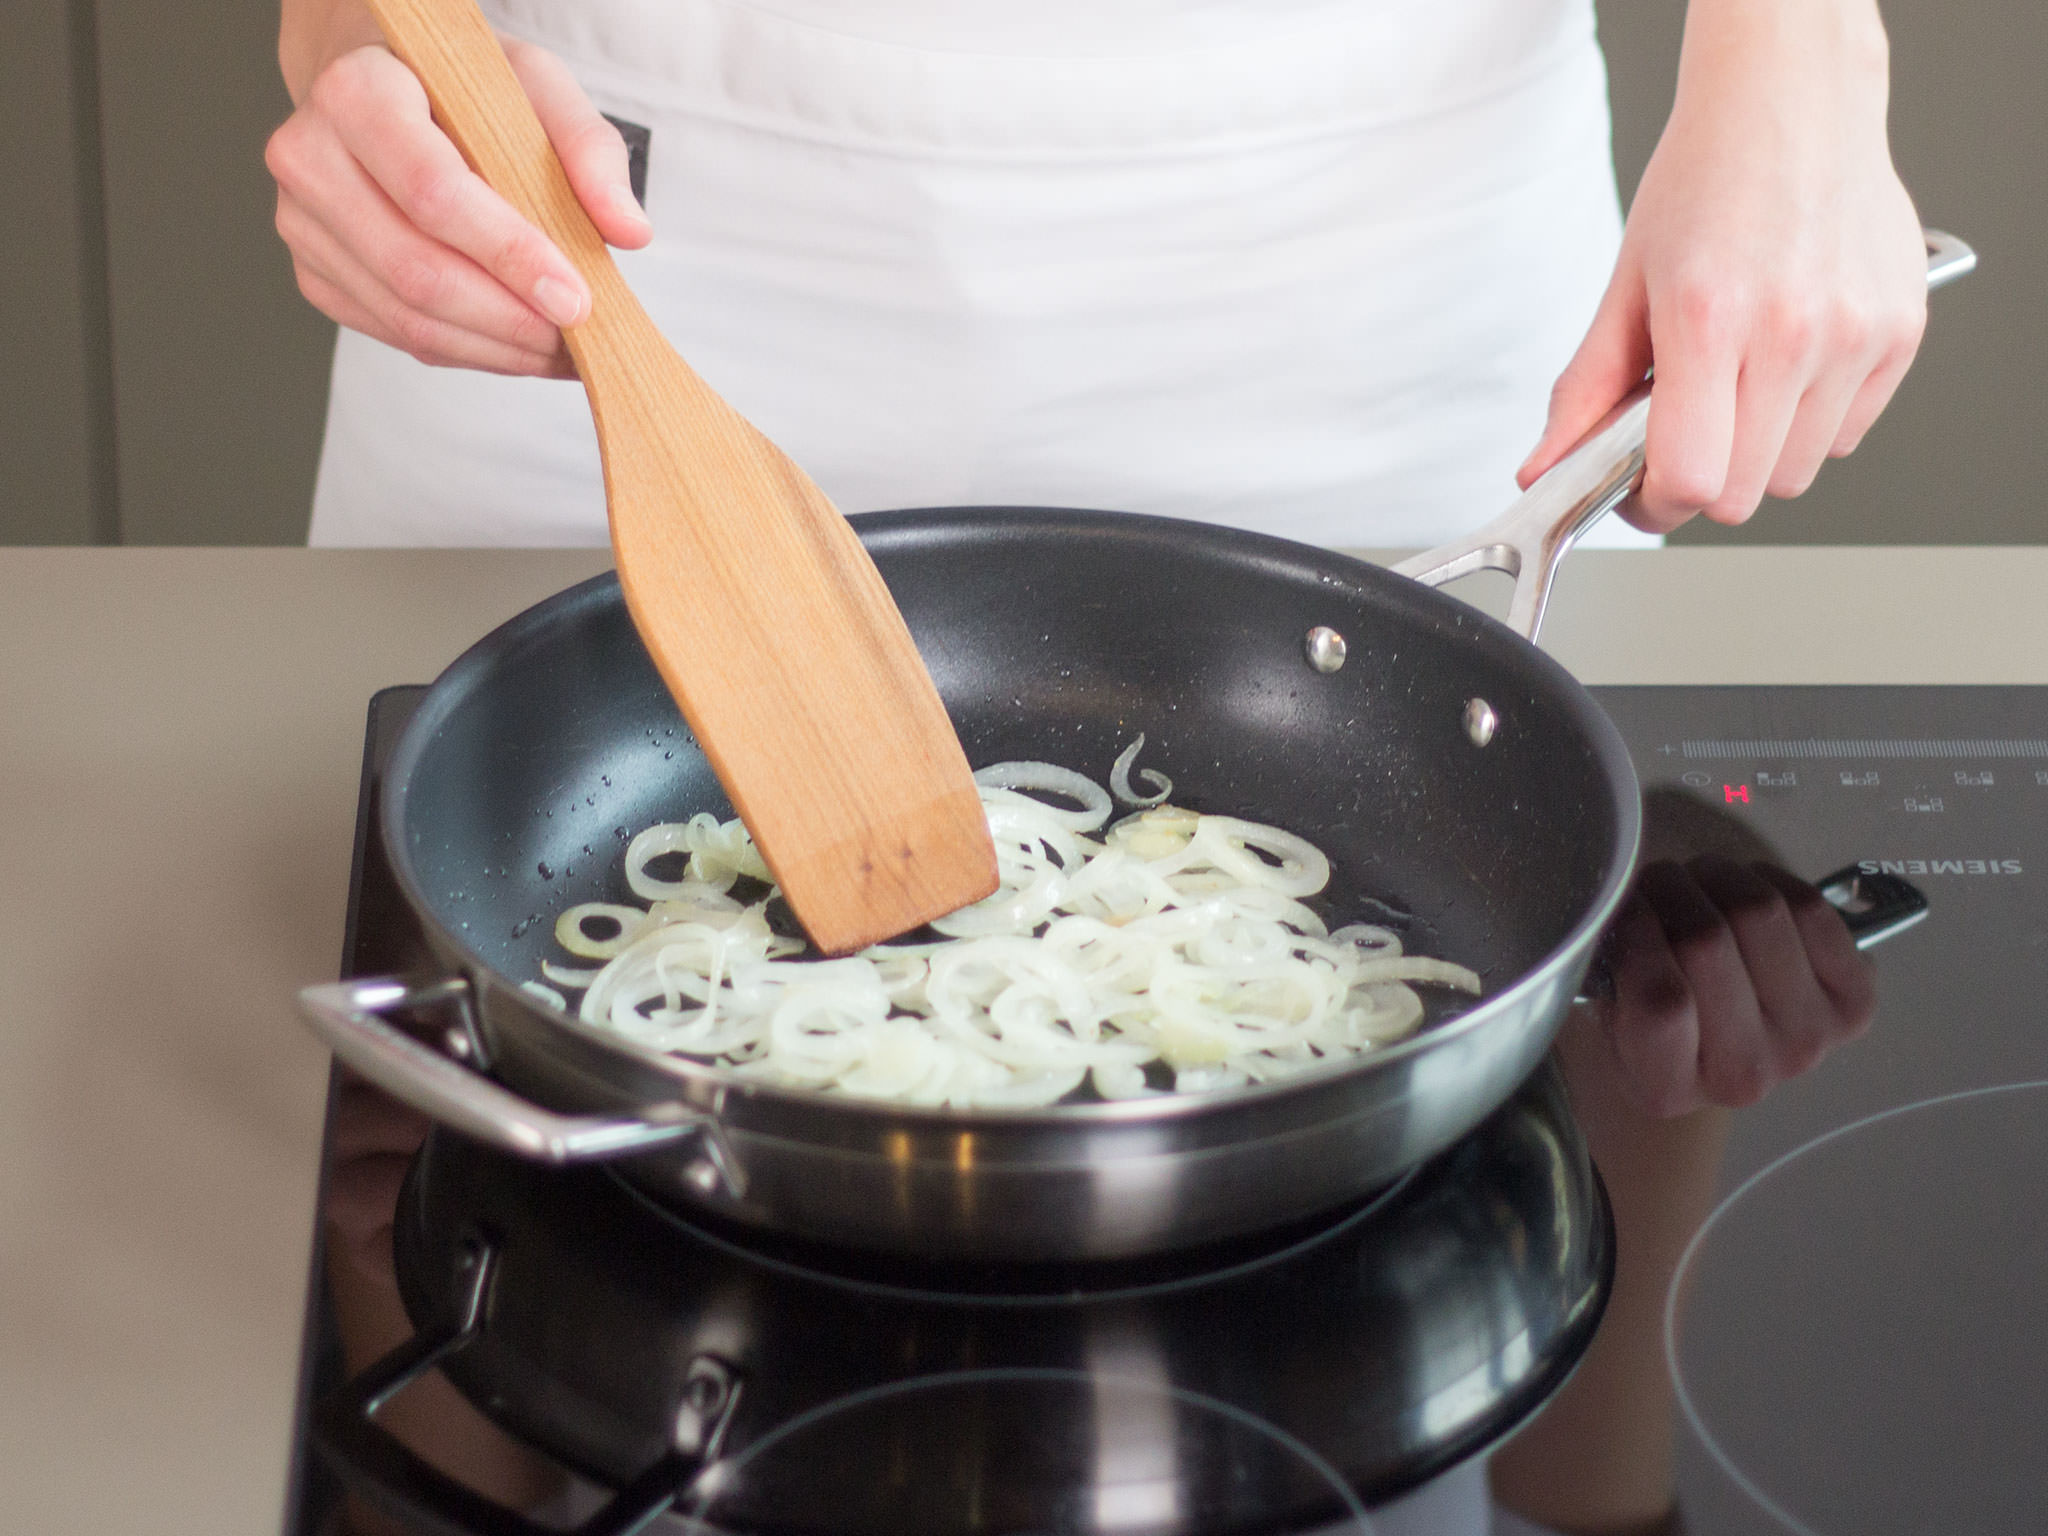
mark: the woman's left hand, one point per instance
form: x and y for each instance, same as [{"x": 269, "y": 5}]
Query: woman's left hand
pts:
[{"x": 1772, "y": 270}]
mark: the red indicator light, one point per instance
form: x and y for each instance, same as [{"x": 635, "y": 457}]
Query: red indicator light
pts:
[{"x": 1731, "y": 793}]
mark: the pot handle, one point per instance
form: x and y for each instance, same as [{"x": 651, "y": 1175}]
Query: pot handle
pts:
[
  {"x": 1531, "y": 538},
  {"x": 347, "y": 1016}
]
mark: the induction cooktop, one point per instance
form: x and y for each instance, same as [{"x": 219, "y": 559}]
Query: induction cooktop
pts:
[{"x": 1855, "y": 1342}]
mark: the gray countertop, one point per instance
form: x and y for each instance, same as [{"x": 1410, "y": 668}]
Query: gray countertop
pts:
[{"x": 180, "y": 736}]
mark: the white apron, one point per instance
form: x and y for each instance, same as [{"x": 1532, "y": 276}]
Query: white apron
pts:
[{"x": 1306, "y": 266}]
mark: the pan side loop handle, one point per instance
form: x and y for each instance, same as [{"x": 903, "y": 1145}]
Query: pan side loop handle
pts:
[
  {"x": 1530, "y": 540},
  {"x": 347, "y": 1015}
]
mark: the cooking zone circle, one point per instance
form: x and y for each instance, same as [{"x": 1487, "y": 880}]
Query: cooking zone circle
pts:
[{"x": 1805, "y": 1352}]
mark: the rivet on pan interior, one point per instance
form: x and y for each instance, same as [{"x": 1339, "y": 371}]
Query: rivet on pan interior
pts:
[
  {"x": 1324, "y": 648},
  {"x": 1480, "y": 721}
]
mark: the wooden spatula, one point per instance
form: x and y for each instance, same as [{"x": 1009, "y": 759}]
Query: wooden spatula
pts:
[{"x": 764, "y": 615}]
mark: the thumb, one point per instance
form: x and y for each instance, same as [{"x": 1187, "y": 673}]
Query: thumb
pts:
[
  {"x": 589, "y": 147},
  {"x": 1610, "y": 362}
]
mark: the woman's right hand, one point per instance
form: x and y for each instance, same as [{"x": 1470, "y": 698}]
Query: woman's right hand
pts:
[{"x": 391, "y": 232}]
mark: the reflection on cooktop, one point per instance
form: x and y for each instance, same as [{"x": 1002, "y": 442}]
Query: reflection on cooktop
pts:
[{"x": 1858, "y": 1335}]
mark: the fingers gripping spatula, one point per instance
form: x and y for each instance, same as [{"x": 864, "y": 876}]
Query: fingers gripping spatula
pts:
[{"x": 759, "y": 607}]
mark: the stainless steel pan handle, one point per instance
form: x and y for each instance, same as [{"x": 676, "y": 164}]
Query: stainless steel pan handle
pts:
[
  {"x": 1531, "y": 538},
  {"x": 1947, "y": 258},
  {"x": 346, "y": 1015}
]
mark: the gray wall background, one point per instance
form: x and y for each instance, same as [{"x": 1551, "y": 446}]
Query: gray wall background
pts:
[{"x": 165, "y": 383}]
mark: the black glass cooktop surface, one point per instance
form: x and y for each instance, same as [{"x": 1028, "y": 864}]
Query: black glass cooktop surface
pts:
[
  {"x": 1859, "y": 1333},
  {"x": 1857, "y": 1342}
]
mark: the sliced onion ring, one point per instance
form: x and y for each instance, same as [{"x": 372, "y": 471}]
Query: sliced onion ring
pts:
[
  {"x": 1120, "y": 778},
  {"x": 1050, "y": 778},
  {"x": 570, "y": 935}
]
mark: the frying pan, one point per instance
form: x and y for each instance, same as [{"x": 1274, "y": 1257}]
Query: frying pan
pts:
[{"x": 1463, "y": 784}]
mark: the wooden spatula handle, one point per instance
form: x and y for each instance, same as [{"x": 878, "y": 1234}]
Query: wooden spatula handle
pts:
[
  {"x": 483, "y": 107},
  {"x": 756, "y": 602}
]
